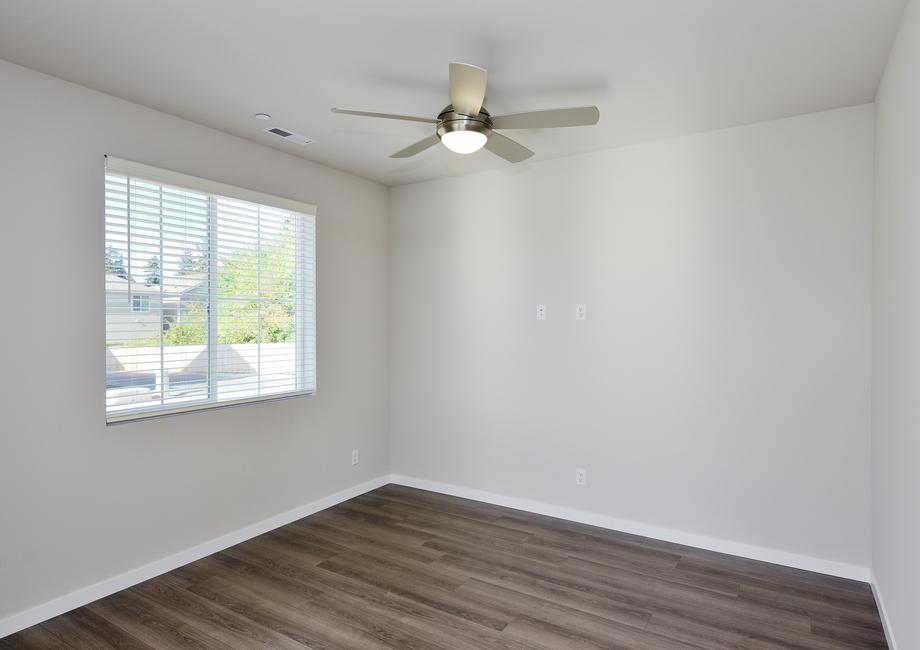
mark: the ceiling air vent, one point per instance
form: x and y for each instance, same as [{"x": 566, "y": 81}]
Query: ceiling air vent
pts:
[{"x": 287, "y": 135}]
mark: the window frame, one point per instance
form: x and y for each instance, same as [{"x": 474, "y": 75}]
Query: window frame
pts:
[{"x": 303, "y": 258}]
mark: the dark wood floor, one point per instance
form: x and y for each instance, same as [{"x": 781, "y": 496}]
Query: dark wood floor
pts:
[{"x": 405, "y": 568}]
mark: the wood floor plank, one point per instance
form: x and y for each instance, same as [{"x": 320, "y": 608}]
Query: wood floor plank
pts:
[
  {"x": 369, "y": 499},
  {"x": 390, "y": 579},
  {"x": 481, "y": 524},
  {"x": 304, "y": 541},
  {"x": 734, "y": 626},
  {"x": 625, "y": 574},
  {"x": 83, "y": 630},
  {"x": 353, "y": 510},
  {"x": 475, "y": 536},
  {"x": 32, "y": 638},
  {"x": 811, "y": 605},
  {"x": 281, "y": 560},
  {"x": 719, "y": 638},
  {"x": 386, "y": 570},
  {"x": 388, "y": 541},
  {"x": 260, "y": 581},
  {"x": 536, "y": 523},
  {"x": 459, "y": 608},
  {"x": 520, "y": 555},
  {"x": 499, "y": 569},
  {"x": 810, "y": 586},
  {"x": 861, "y": 637},
  {"x": 223, "y": 628},
  {"x": 400, "y": 599},
  {"x": 333, "y": 620},
  {"x": 283, "y": 543},
  {"x": 550, "y": 637},
  {"x": 153, "y": 625},
  {"x": 294, "y": 567},
  {"x": 744, "y": 566},
  {"x": 393, "y": 540},
  {"x": 595, "y": 540},
  {"x": 522, "y": 606},
  {"x": 419, "y": 618},
  {"x": 376, "y": 529},
  {"x": 438, "y": 503},
  {"x": 404, "y": 569},
  {"x": 485, "y": 529},
  {"x": 598, "y": 551},
  {"x": 302, "y": 627},
  {"x": 444, "y": 630},
  {"x": 562, "y": 595},
  {"x": 707, "y": 607}
]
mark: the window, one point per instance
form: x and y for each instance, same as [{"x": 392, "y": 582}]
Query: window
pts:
[
  {"x": 140, "y": 303},
  {"x": 210, "y": 297}
]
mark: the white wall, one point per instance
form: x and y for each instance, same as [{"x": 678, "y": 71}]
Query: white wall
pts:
[
  {"x": 81, "y": 502},
  {"x": 896, "y": 338},
  {"x": 720, "y": 385}
]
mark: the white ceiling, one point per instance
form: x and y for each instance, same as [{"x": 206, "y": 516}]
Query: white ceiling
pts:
[{"x": 655, "y": 68}]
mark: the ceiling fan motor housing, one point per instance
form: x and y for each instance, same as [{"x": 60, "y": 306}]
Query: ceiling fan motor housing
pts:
[{"x": 449, "y": 120}]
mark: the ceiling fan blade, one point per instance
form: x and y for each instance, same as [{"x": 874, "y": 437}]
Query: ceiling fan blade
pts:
[
  {"x": 507, "y": 148},
  {"x": 388, "y": 116},
  {"x": 467, "y": 88},
  {"x": 548, "y": 119},
  {"x": 417, "y": 147}
]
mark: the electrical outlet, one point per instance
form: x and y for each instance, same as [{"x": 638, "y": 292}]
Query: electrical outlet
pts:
[
  {"x": 579, "y": 312},
  {"x": 354, "y": 457},
  {"x": 581, "y": 477},
  {"x": 541, "y": 312}
]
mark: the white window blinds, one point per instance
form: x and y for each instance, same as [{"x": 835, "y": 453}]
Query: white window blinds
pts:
[{"x": 210, "y": 294}]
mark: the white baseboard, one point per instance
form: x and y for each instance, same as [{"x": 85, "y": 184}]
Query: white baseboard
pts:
[
  {"x": 805, "y": 562},
  {"x": 94, "y": 592},
  {"x": 889, "y": 637}
]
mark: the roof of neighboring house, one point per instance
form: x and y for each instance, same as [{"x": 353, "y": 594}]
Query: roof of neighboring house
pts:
[{"x": 173, "y": 285}]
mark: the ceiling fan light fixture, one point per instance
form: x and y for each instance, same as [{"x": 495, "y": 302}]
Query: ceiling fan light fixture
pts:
[
  {"x": 464, "y": 141},
  {"x": 462, "y": 133}
]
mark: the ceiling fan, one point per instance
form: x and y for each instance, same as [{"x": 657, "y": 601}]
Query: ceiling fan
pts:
[{"x": 465, "y": 126}]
